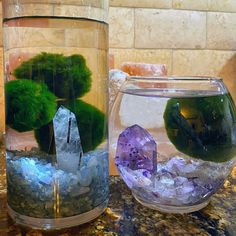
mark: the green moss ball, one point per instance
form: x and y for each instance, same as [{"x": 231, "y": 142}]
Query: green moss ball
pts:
[
  {"x": 45, "y": 138},
  {"x": 29, "y": 105},
  {"x": 91, "y": 123},
  {"x": 202, "y": 127},
  {"x": 66, "y": 77}
]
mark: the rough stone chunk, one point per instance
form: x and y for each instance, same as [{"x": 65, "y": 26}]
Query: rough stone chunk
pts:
[
  {"x": 144, "y": 69},
  {"x": 136, "y": 149},
  {"x": 116, "y": 79}
]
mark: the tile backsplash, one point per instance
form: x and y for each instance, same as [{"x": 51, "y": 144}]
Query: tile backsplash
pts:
[{"x": 191, "y": 37}]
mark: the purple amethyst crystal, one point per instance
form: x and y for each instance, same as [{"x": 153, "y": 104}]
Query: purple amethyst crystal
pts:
[{"x": 136, "y": 149}]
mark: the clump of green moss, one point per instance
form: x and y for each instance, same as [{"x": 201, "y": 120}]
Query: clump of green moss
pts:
[
  {"x": 30, "y": 105},
  {"x": 202, "y": 127},
  {"x": 91, "y": 123},
  {"x": 45, "y": 138},
  {"x": 66, "y": 77}
]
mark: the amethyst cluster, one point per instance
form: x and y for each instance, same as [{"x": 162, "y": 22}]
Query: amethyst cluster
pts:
[
  {"x": 176, "y": 181},
  {"x": 136, "y": 149}
]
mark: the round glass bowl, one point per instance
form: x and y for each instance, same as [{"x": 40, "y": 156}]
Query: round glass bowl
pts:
[{"x": 173, "y": 140}]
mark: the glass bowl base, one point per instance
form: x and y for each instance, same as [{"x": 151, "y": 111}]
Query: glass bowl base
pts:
[
  {"x": 172, "y": 209},
  {"x": 57, "y": 223}
]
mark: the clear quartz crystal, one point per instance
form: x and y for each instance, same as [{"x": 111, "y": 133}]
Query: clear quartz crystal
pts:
[{"x": 67, "y": 140}]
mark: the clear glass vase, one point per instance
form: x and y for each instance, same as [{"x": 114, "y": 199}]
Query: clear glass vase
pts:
[
  {"x": 173, "y": 140},
  {"x": 55, "y": 54}
]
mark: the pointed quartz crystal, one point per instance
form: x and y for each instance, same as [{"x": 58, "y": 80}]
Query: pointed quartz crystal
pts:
[
  {"x": 136, "y": 149},
  {"x": 67, "y": 139}
]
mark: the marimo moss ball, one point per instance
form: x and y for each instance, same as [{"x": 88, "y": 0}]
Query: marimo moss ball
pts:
[
  {"x": 91, "y": 124},
  {"x": 66, "y": 77},
  {"x": 30, "y": 105},
  {"x": 45, "y": 138},
  {"x": 202, "y": 127}
]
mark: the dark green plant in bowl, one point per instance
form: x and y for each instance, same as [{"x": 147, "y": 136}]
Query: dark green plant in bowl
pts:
[
  {"x": 202, "y": 127},
  {"x": 66, "y": 77},
  {"x": 30, "y": 105}
]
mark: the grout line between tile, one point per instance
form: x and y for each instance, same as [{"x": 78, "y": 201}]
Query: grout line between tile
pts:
[
  {"x": 134, "y": 12},
  {"x": 206, "y": 45},
  {"x": 172, "y": 61}
]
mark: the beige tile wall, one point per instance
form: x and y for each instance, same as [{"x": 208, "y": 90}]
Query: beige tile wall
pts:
[
  {"x": 191, "y": 37},
  {"x": 170, "y": 29}
]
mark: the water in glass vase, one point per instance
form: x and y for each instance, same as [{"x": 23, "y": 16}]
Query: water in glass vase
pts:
[
  {"x": 57, "y": 159},
  {"x": 174, "y": 148}
]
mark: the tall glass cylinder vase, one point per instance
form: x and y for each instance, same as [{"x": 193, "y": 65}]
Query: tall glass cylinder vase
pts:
[{"x": 55, "y": 54}]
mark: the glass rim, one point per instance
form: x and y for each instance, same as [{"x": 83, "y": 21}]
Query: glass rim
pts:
[{"x": 175, "y": 78}]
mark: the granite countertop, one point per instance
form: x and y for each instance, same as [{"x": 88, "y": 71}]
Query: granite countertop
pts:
[{"x": 126, "y": 217}]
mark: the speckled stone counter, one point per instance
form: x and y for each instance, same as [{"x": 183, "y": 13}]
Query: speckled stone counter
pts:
[{"x": 124, "y": 216}]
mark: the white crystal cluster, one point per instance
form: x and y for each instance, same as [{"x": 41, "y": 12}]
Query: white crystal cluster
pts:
[
  {"x": 40, "y": 172},
  {"x": 33, "y": 184}
]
